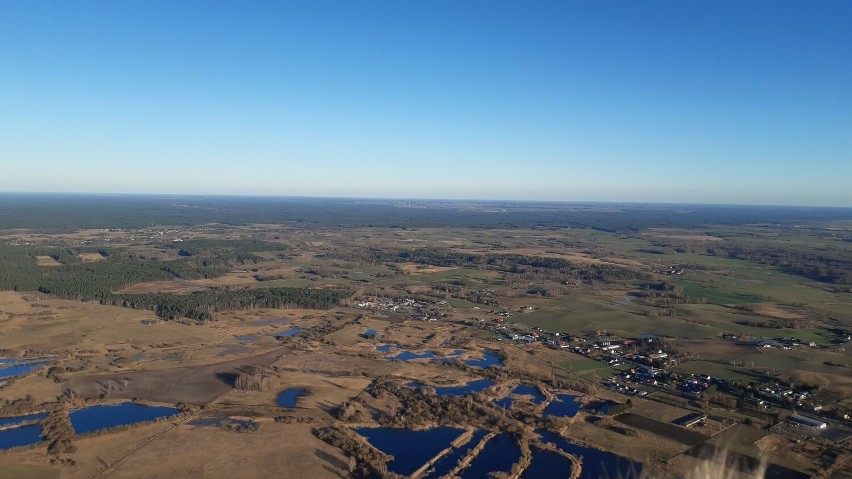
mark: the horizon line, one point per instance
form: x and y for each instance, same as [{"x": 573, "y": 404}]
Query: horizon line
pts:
[{"x": 425, "y": 199}]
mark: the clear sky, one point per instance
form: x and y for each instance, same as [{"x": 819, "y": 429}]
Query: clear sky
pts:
[{"x": 720, "y": 101}]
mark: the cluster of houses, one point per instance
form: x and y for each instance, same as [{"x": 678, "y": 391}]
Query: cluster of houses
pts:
[{"x": 417, "y": 309}]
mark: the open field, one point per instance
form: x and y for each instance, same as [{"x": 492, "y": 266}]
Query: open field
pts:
[{"x": 427, "y": 296}]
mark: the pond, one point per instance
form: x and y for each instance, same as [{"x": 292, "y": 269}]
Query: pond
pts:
[
  {"x": 11, "y": 368},
  {"x": 565, "y": 405},
  {"x": 19, "y": 436},
  {"x": 596, "y": 463},
  {"x": 488, "y": 359},
  {"x": 527, "y": 390},
  {"x": 287, "y": 333},
  {"x": 95, "y": 418},
  {"x": 499, "y": 454},
  {"x": 449, "y": 461},
  {"x": 547, "y": 464},
  {"x": 17, "y": 421},
  {"x": 471, "y": 387},
  {"x": 410, "y": 356},
  {"x": 385, "y": 348},
  {"x": 289, "y": 397},
  {"x": 410, "y": 449}
]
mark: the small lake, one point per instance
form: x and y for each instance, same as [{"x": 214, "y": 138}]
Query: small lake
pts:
[
  {"x": 15, "y": 369},
  {"x": 95, "y": 418},
  {"x": 287, "y": 333},
  {"x": 527, "y": 390},
  {"x": 596, "y": 464},
  {"x": 17, "y": 421},
  {"x": 19, "y": 436},
  {"x": 547, "y": 464},
  {"x": 499, "y": 454},
  {"x": 565, "y": 405},
  {"x": 385, "y": 348},
  {"x": 471, "y": 387},
  {"x": 410, "y": 449},
  {"x": 449, "y": 461},
  {"x": 289, "y": 397},
  {"x": 488, "y": 359},
  {"x": 410, "y": 356}
]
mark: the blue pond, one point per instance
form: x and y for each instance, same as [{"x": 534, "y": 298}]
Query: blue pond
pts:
[
  {"x": 19, "y": 436},
  {"x": 15, "y": 369},
  {"x": 94, "y": 418},
  {"x": 499, "y": 454},
  {"x": 449, "y": 461},
  {"x": 596, "y": 463},
  {"x": 15, "y": 421},
  {"x": 527, "y": 390},
  {"x": 370, "y": 333},
  {"x": 409, "y": 356},
  {"x": 488, "y": 359},
  {"x": 547, "y": 464},
  {"x": 289, "y": 397},
  {"x": 287, "y": 333},
  {"x": 471, "y": 387},
  {"x": 410, "y": 449},
  {"x": 565, "y": 405},
  {"x": 385, "y": 348}
]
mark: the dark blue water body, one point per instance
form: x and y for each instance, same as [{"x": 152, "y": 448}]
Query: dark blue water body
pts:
[
  {"x": 287, "y": 333},
  {"x": 565, "y": 405},
  {"x": 449, "y": 461},
  {"x": 410, "y": 449},
  {"x": 488, "y": 359},
  {"x": 16, "y": 369},
  {"x": 385, "y": 348},
  {"x": 596, "y": 464},
  {"x": 289, "y": 397},
  {"x": 14, "y": 421},
  {"x": 505, "y": 403},
  {"x": 94, "y": 418},
  {"x": 19, "y": 436},
  {"x": 547, "y": 464},
  {"x": 370, "y": 333},
  {"x": 527, "y": 390},
  {"x": 499, "y": 454},
  {"x": 471, "y": 387},
  {"x": 409, "y": 356}
]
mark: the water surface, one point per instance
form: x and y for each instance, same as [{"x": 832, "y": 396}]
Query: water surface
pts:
[
  {"x": 499, "y": 454},
  {"x": 565, "y": 405},
  {"x": 449, "y": 461},
  {"x": 410, "y": 449},
  {"x": 596, "y": 463},
  {"x": 17, "y": 421},
  {"x": 547, "y": 464},
  {"x": 95, "y": 418},
  {"x": 19, "y": 436},
  {"x": 289, "y": 397}
]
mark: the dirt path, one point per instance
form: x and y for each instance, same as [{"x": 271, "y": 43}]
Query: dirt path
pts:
[{"x": 112, "y": 466}]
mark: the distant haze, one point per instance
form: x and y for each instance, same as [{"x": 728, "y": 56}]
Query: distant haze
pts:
[{"x": 658, "y": 101}]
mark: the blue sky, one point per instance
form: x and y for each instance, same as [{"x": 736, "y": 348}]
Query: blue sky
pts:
[{"x": 680, "y": 101}]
